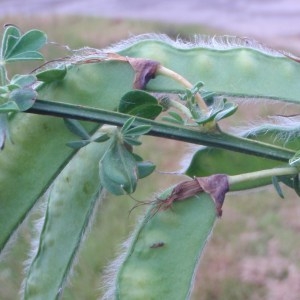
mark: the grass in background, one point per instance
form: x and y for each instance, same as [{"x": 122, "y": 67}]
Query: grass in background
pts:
[{"x": 253, "y": 253}]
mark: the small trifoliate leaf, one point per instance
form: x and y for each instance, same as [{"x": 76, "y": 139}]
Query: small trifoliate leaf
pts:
[{"x": 26, "y": 46}]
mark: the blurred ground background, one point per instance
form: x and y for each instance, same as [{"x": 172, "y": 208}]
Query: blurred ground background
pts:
[
  {"x": 254, "y": 252},
  {"x": 269, "y": 20}
]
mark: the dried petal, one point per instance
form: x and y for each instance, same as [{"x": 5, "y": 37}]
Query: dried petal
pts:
[
  {"x": 216, "y": 185},
  {"x": 145, "y": 69}
]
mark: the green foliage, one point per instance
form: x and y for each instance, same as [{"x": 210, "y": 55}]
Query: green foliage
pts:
[
  {"x": 119, "y": 168},
  {"x": 141, "y": 104},
  {"x": 21, "y": 47},
  {"x": 79, "y": 157}
]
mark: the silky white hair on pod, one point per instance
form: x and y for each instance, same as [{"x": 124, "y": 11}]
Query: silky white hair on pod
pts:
[
  {"x": 38, "y": 228},
  {"x": 283, "y": 128},
  {"x": 221, "y": 43},
  {"x": 198, "y": 41}
]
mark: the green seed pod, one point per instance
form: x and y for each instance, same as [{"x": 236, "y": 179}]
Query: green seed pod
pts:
[
  {"x": 39, "y": 151},
  {"x": 225, "y": 65},
  {"x": 72, "y": 200},
  {"x": 163, "y": 253}
]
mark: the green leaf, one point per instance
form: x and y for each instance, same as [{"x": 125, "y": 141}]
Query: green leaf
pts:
[
  {"x": 228, "y": 110},
  {"x": 26, "y": 46},
  {"x": 131, "y": 135},
  {"x": 23, "y": 80},
  {"x": 52, "y": 75},
  {"x": 9, "y": 40},
  {"x": 118, "y": 170},
  {"x": 176, "y": 116},
  {"x": 78, "y": 144},
  {"x": 32, "y": 55},
  {"x": 277, "y": 187},
  {"x": 145, "y": 168},
  {"x": 132, "y": 141},
  {"x": 127, "y": 125},
  {"x": 102, "y": 138},
  {"x": 75, "y": 127},
  {"x": 196, "y": 88},
  {"x": 138, "y": 130},
  {"x": 24, "y": 98},
  {"x": 141, "y": 104},
  {"x": 9, "y": 106},
  {"x": 219, "y": 110}
]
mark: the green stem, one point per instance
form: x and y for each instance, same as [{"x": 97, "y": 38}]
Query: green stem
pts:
[
  {"x": 236, "y": 179},
  {"x": 184, "y": 82},
  {"x": 212, "y": 139},
  {"x": 3, "y": 74}
]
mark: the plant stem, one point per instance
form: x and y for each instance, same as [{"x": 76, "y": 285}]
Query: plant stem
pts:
[
  {"x": 3, "y": 75},
  {"x": 181, "y": 133},
  {"x": 235, "y": 179},
  {"x": 183, "y": 81}
]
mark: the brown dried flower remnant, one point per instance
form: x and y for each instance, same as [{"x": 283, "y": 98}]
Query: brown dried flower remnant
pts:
[
  {"x": 215, "y": 185},
  {"x": 145, "y": 70}
]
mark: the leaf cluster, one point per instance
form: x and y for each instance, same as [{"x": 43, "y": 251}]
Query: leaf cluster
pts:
[{"x": 119, "y": 169}]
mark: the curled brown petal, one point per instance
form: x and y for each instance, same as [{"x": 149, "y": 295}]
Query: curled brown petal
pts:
[
  {"x": 215, "y": 185},
  {"x": 145, "y": 70}
]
